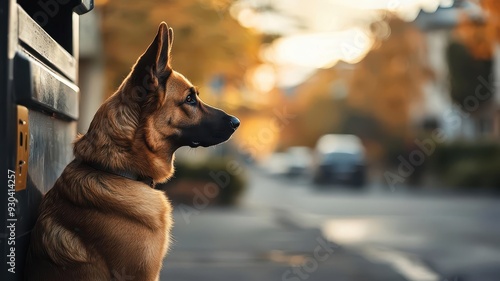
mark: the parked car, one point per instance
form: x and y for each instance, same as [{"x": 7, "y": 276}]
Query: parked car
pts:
[
  {"x": 276, "y": 164},
  {"x": 298, "y": 161},
  {"x": 339, "y": 159}
]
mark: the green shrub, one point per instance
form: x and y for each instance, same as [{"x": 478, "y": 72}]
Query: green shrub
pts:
[
  {"x": 213, "y": 171},
  {"x": 468, "y": 164}
]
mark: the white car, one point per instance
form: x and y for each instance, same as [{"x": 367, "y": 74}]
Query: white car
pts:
[
  {"x": 299, "y": 160},
  {"x": 339, "y": 159}
]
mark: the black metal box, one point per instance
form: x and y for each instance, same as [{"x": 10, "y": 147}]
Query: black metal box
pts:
[{"x": 38, "y": 113}]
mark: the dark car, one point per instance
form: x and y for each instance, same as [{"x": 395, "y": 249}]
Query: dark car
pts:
[{"x": 339, "y": 159}]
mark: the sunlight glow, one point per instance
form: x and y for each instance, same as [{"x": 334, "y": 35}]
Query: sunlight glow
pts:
[
  {"x": 347, "y": 231},
  {"x": 318, "y": 34},
  {"x": 395, "y": 5},
  {"x": 321, "y": 50},
  {"x": 247, "y": 17},
  {"x": 264, "y": 78},
  {"x": 291, "y": 75}
]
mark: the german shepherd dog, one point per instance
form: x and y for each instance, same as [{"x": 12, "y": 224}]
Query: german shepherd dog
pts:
[{"x": 102, "y": 219}]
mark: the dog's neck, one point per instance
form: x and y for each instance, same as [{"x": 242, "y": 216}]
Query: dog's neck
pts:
[
  {"x": 125, "y": 174},
  {"x": 117, "y": 143}
]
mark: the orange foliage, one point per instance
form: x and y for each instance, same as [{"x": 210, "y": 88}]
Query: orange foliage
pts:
[
  {"x": 492, "y": 8},
  {"x": 208, "y": 41},
  {"x": 389, "y": 79},
  {"x": 317, "y": 105},
  {"x": 480, "y": 35}
]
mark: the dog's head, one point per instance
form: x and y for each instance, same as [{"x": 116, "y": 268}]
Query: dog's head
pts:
[
  {"x": 155, "y": 111},
  {"x": 172, "y": 103}
]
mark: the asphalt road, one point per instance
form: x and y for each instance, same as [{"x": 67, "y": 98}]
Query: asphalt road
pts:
[
  {"x": 422, "y": 235},
  {"x": 290, "y": 230},
  {"x": 253, "y": 245}
]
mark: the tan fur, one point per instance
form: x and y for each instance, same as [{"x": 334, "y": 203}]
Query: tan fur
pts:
[{"x": 95, "y": 225}]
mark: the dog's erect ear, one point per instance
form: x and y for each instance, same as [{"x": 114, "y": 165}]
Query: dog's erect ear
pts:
[
  {"x": 163, "y": 43},
  {"x": 156, "y": 60}
]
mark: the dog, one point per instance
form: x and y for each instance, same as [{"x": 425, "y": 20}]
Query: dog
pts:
[{"x": 103, "y": 219}]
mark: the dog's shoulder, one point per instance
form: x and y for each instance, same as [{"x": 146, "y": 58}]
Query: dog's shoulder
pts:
[
  {"x": 89, "y": 205},
  {"x": 99, "y": 190}
]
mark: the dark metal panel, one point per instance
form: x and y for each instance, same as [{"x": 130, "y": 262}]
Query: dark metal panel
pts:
[
  {"x": 46, "y": 89},
  {"x": 31, "y": 34},
  {"x": 35, "y": 79},
  {"x": 8, "y": 131},
  {"x": 51, "y": 151},
  {"x": 51, "y": 148}
]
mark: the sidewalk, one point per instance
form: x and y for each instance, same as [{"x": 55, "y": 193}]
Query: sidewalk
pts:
[{"x": 238, "y": 244}]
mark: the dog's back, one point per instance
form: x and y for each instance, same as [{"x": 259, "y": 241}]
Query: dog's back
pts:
[{"x": 95, "y": 225}]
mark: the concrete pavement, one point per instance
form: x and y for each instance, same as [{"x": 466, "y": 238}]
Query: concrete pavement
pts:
[{"x": 240, "y": 244}]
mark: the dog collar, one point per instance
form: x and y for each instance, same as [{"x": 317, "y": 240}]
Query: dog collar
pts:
[{"x": 126, "y": 174}]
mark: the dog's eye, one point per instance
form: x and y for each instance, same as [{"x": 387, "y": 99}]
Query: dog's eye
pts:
[{"x": 190, "y": 99}]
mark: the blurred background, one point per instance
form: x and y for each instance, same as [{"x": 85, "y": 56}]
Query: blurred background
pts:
[{"x": 369, "y": 145}]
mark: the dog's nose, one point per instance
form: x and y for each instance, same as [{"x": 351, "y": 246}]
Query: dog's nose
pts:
[{"x": 235, "y": 122}]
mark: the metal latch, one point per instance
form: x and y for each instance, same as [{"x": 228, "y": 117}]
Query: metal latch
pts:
[{"x": 23, "y": 147}]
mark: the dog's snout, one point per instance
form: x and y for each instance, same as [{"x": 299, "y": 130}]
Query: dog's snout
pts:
[{"x": 235, "y": 122}]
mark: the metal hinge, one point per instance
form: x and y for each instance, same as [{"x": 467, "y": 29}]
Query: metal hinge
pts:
[{"x": 23, "y": 147}]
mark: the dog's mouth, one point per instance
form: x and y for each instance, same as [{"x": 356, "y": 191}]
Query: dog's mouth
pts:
[
  {"x": 194, "y": 144},
  {"x": 210, "y": 133},
  {"x": 215, "y": 141}
]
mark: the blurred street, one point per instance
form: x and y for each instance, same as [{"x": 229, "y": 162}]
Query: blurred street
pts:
[
  {"x": 330, "y": 92},
  {"x": 313, "y": 139},
  {"x": 373, "y": 234}
]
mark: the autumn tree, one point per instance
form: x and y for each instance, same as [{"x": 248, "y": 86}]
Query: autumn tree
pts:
[
  {"x": 467, "y": 71},
  {"x": 208, "y": 41},
  {"x": 469, "y": 58},
  {"x": 492, "y": 8},
  {"x": 480, "y": 34},
  {"x": 390, "y": 78}
]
